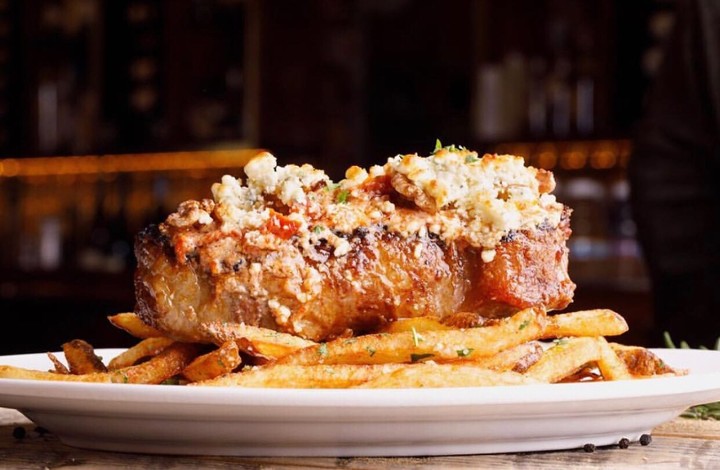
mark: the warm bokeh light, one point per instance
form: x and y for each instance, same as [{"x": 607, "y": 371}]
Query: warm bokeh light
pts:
[{"x": 126, "y": 163}]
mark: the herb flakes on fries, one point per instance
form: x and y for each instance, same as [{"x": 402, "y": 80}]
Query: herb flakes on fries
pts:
[{"x": 529, "y": 347}]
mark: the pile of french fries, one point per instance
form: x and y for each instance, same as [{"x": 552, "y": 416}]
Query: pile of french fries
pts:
[{"x": 529, "y": 347}]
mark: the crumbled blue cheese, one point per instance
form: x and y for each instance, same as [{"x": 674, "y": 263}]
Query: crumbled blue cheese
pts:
[
  {"x": 477, "y": 199},
  {"x": 289, "y": 183}
]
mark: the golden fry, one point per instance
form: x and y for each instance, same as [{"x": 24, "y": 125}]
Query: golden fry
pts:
[
  {"x": 565, "y": 358},
  {"x": 599, "y": 322},
  {"x": 412, "y": 346},
  {"x": 219, "y": 362},
  {"x": 429, "y": 375},
  {"x": 81, "y": 358},
  {"x": 165, "y": 365},
  {"x": 60, "y": 368},
  {"x": 11, "y": 372},
  {"x": 293, "y": 376},
  {"x": 415, "y": 323},
  {"x": 643, "y": 363},
  {"x": 610, "y": 365},
  {"x": 265, "y": 342},
  {"x": 168, "y": 363},
  {"x": 517, "y": 359},
  {"x": 145, "y": 348},
  {"x": 134, "y": 325}
]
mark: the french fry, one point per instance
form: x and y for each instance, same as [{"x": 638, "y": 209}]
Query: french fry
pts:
[
  {"x": 592, "y": 323},
  {"x": 265, "y": 342},
  {"x": 81, "y": 358},
  {"x": 168, "y": 363},
  {"x": 643, "y": 363},
  {"x": 610, "y": 365},
  {"x": 517, "y": 359},
  {"x": 60, "y": 368},
  {"x": 415, "y": 323},
  {"x": 12, "y": 372},
  {"x": 145, "y": 348},
  {"x": 565, "y": 358},
  {"x": 411, "y": 346},
  {"x": 219, "y": 362},
  {"x": 293, "y": 376},
  {"x": 134, "y": 325},
  {"x": 429, "y": 375}
]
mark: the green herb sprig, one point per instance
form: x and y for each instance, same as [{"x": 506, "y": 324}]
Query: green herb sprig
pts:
[
  {"x": 708, "y": 411},
  {"x": 449, "y": 148}
]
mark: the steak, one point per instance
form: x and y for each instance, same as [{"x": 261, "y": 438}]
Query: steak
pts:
[{"x": 294, "y": 252}]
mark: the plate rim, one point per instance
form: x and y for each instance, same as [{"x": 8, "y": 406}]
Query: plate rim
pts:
[
  {"x": 334, "y": 422},
  {"x": 402, "y": 397}
]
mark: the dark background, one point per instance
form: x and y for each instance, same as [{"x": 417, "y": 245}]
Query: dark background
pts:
[{"x": 333, "y": 83}]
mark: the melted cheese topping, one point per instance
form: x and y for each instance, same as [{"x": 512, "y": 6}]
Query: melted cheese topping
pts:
[{"x": 458, "y": 196}]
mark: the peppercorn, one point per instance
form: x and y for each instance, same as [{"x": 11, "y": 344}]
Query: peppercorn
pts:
[
  {"x": 624, "y": 443},
  {"x": 589, "y": 447},
  {"x": 645, "y": 439},
  {"x": 19, "y": 432}
]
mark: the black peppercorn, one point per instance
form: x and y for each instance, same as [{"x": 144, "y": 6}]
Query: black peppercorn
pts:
[
  {"x": 624, "y": 443},
  {"x": 645, "y": 439},
  {"x": 589, "y": 447},
  {"x": 19, "y": 432}
]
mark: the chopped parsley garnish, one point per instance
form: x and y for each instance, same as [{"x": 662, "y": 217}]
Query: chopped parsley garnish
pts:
[
  {"x": 342, "y": 196},
  {"x": 318, "y": 228},
  {"x": 471, "y": 159},
  {"x": 560, "y": 341},
  {"x": 464, "y": 352},
  {"x": 524, "y": 325},
  {"x": 449, "y": 148},
  {"x": 420, "y": 357},
  {"x": 322, "y": 350},
  {"x": 371, "y": 351}
]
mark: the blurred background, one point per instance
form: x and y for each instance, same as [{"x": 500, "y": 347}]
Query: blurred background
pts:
[{"x": 112, "y": 112}]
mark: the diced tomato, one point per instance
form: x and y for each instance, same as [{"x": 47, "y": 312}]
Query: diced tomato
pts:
[{"x": 282, "y": 226}]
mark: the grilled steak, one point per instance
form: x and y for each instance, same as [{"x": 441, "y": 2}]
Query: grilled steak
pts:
[{"x": 419, "y": 236}]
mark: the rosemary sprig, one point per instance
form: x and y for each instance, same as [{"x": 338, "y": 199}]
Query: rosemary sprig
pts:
[{"x": 708, "y": 411}]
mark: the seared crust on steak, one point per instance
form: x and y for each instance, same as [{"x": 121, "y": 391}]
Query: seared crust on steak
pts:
[
  {"x": 378, "y": 281},
  {"x": 296, "y": 253}
]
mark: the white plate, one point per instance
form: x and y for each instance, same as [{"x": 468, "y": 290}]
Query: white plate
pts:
[{"x": 233, "y": 421}]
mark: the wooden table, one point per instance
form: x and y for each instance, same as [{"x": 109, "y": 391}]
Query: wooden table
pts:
[{"x": 681, "y": 443}]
